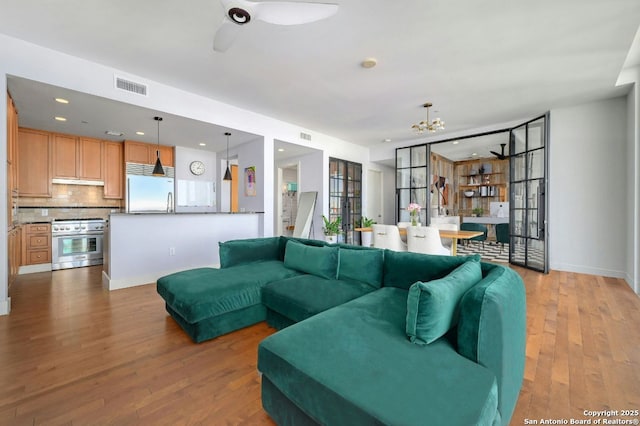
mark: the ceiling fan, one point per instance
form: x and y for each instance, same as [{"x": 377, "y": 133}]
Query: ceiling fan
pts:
[
  {"x": 238, "y": 13},
  {"x": 501, "y": 155}
]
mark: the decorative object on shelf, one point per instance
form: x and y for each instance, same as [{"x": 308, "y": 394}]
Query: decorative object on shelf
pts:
[
  {"x": 332, "y": 229},
  {"x": 414, "y": 211},
  {"x": 428, "y": 125},
  {"x": 477, "y": 212},
  {"x": 157, "y": 169},
  {"x": 239, "y": 13},
  {"x": 250, "y": 181},
  {"x": 469, "y": 194},
  {"x": 227, "y": 174}
]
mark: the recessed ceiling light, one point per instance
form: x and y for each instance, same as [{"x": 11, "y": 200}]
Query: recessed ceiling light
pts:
[
  {"x": 369, "y": 63},
  {"x": 280, "y": 149},
  {"x": 202, "y": 144},
  {"x": 140, "y": 133},
  {"x": 456, "y": 142},
  {"x": 386, "y": 140},
  {"x": 474, "y": 154},
  {"x": 62, "y": 101},
  {"x": 59, "y": 118},
  {"x": 114, "y": 133}
]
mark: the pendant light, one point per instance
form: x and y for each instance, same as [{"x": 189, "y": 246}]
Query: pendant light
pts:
[
  {"x": 227, "y": 174},
  {"x": 158, "y": 170}
]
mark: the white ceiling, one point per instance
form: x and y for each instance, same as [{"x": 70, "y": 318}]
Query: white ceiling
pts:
[{"x": 479, "y": 63}]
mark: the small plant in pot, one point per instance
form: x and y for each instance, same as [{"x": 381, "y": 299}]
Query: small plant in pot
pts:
[
  {"x": 366, "y": 236},
  {"x": 332, "y": 229},
  {"x": 477, "y": 211}
]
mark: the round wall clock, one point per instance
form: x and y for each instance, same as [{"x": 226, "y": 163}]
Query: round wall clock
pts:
[{"x": 197, "y": 167}]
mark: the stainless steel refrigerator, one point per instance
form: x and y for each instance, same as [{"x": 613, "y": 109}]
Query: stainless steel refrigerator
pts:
[{"x": 149, "y": 194}]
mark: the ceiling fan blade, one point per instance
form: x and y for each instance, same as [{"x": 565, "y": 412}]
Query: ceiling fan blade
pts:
[
  {"x": 293, "y": 13},
  {"x": 496, "y": 154},
  {"x": 225, "y": 35}
]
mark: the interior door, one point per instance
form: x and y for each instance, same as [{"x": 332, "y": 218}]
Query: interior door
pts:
[
  {"x": 528, "y": 195},
  {"x": 345, "y": 196}
]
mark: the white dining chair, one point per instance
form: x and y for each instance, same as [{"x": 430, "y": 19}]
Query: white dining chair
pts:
[
  {"x": 404, "y": 225},
  {"x": 388, "y": 237},
  {"x": 425, "y": 239},
  {"x": 447, "y": 242}
]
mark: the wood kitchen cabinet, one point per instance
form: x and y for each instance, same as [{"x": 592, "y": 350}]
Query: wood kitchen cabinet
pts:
[
  {"x": 113, "y": 170},
  {"x": 145, "y": 153},
  {"x": 77, "y": 158},
  {"x": 36, "y": 244},
  {"x": 34, "y": 163},
  {"x": 12, "y": 157},
  {"x": 14, "y": 253}
]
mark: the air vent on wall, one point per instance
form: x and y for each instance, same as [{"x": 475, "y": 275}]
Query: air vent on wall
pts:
[
  {"x": 305, "y": 136},
  {"x": 131, "y": 86}
]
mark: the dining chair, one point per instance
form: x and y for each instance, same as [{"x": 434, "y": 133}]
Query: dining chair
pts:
[
  {"x": 447, "y": 242},
  {"x": 425, "y": 239},
  {"x": 502, "y": 233},
  {"x": 469, "y": 226},
  {"x": 388, "y": 237}
]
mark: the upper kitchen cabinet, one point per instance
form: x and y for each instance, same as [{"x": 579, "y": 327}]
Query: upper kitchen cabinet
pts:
[
  {"x": 77, "y": 158},
  {"x": 12, "y": 148},
  {"x": 145, "y": 153},
  {"x": 113, "y": 170},
  {"x": 34, "y": 165}
]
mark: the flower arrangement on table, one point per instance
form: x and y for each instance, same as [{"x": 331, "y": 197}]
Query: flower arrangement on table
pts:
[{"x": 414, "y": 211}]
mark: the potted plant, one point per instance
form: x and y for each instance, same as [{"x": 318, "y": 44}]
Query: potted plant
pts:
[
  {"x": 477, "y": 211},
  {"x": 365, "y": 236},
  {"x": 332, "y": 229}
]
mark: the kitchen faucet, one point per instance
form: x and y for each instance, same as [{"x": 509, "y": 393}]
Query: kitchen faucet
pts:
[{"x": 169, "y": 202}]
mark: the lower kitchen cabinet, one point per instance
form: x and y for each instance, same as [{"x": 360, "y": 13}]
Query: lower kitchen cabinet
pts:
[
  {"x": 14, "y": 252},
  {"x": 36, "y": 244}
]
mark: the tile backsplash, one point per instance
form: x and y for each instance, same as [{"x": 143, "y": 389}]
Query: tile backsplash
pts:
[{"x": 67, "y": 202}]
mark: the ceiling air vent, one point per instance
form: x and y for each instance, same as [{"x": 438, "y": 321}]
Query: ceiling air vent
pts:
[
  {"x": 305, "y": 136},
  {"x": 131, "y": 86}
]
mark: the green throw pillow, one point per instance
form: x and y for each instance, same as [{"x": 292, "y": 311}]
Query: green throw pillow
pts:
[
  {"x": 364, "y": 265},
  {"x": 432, "y": 307},
  {"x": 319, "y": 261}
]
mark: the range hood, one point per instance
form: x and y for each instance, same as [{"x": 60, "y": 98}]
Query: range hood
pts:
[{"x": 78, "y": 182}]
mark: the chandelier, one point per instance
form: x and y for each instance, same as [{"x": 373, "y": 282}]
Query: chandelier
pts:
[{"x": 428, "y": 126}]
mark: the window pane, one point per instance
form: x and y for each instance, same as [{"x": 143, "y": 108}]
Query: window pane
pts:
[
  {"x": 403, "y": 176},
  {"x": 419, "y": 177},
  {"x": 536, "y": 135},
  {"x": 419, "y": 156},
  {"x": 402, "y": 159}
]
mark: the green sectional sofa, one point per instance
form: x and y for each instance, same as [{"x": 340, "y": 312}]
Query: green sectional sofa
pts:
[{"x": 365, "y": 336}]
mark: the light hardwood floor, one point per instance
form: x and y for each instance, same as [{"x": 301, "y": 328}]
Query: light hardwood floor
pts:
[{"x": 72, "y": 353}]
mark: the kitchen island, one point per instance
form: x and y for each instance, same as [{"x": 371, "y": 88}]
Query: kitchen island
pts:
[{"x": 140, "y": 248}]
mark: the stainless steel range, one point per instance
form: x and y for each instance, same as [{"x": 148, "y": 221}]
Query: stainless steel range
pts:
[{"x": 76, "y": 243}]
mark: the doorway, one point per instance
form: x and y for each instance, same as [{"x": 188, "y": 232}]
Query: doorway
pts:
[
  {"x": 345, "y": 196},
  {"x": 375, "y": 206}
]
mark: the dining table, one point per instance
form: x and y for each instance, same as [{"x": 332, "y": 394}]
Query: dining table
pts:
[{"x": 444, "y": 233}]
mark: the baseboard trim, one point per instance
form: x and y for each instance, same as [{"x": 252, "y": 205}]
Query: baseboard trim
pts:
[
  {"x": 111, "y": 284},
  {"x": 32, "y": 269},
  {"x": 5, "y": 306},
  {"x": 580, "y": 269}
]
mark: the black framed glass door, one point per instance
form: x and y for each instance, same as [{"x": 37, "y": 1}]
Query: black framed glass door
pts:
[
  {"x": 345, "y": 196},
  {"x": 528, "y": 165}
]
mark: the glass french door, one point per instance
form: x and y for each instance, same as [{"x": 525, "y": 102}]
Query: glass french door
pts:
[
  {"x": 528, "y": 165},
  {"x": 345, "y": 197}
]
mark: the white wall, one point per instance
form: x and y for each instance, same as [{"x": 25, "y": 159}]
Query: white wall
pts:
[
  {"x": 251, "y": 154},
  {"x": 161, "y": 244},
  {"x": 588, "y": 210},
  {"x": 183, "y": 158}
]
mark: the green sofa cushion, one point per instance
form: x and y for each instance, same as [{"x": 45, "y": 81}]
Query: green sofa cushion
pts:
[
  {"x": 319, "y": 261},
  {"x": 306, "y": 241},
  {"x": 358, "y": 368},
  {"x": 202, "y": 293},
  {"x": 238, "y": 252},
  {"x": 432, "y": 307},
  {"x": 492, "y": 330},
  {"x": 301, "y": 297},
  {"x": 364, "y": 265},
  {"x": 402, "y": 269}
]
